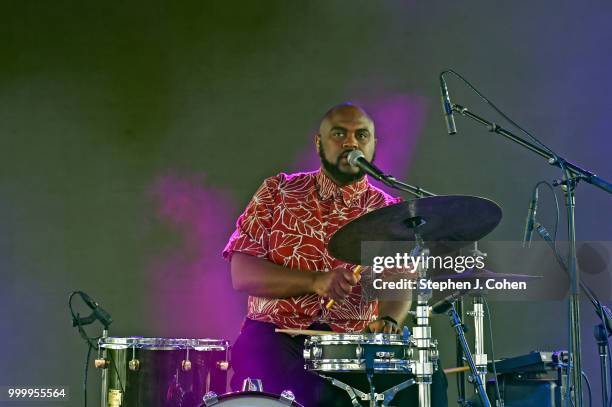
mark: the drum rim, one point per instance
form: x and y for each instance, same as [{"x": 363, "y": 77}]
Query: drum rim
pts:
[
  {"x": 360, "y": 338},
  {"x": 201, "y": 344}
]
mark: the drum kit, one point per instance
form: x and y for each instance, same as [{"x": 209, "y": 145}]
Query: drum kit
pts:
[{"x": 157, "y": 372}]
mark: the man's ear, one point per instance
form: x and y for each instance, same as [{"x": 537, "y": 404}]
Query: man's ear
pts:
[{"x": 317, "y": 140}]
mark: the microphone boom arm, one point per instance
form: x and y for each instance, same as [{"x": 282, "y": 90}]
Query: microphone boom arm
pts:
[{"x": 552, "y": 159}]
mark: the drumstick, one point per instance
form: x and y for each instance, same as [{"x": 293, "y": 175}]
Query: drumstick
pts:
[
  {"x": 356, "y": 271},
  {"x": 302, "y": 331},
  {"x": 459, "y": 369}
]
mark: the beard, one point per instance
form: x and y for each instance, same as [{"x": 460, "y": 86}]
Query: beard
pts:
[{"x": 335, "y": 171}]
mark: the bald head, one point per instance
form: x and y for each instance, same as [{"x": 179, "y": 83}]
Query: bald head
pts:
[{"x": 348, "y": 111}]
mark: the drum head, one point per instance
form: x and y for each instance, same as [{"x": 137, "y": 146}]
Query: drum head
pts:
[{"x": 253, "y": 399}]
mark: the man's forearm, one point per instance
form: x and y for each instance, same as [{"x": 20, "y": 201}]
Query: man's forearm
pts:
[{"x": 262, "y": 278}]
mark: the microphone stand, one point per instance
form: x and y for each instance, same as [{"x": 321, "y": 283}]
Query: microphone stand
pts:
[
  {"x": 459, "y": 357},
  {"x": 419, "y": 192},
  {"x": 601, "y": 331},
  {"x": 477, "y": 376},
  {"x": 571, "y": 175}
]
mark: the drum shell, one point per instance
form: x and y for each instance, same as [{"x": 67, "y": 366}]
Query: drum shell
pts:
[
  {"x": 161, "y": 379},
  {"x": 347, "y": 353}
]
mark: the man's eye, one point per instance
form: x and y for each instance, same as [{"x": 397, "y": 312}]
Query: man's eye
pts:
[
  {"x": 338, "y": 134},
  {"x": 364, "y": 135}
]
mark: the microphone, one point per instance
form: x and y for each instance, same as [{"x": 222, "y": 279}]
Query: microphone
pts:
[
  {"x": 447, "y": 108},
  {"x": 529, "y": 222},
  {"x": 98, "y": 312},
  {"x": 356, "y": 159},
  {"x": 446, "y": 303}
]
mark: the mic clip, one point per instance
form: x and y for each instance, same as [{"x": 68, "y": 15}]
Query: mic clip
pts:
[{"x": 78, "y": 321}]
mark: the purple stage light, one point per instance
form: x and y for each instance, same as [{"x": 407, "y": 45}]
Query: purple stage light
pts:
[{"x": 191, "y": 293}]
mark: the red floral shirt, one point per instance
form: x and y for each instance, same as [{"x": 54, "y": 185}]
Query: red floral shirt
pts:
[{"x": 289, "y": 221}]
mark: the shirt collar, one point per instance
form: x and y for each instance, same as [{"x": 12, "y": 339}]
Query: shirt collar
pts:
[{"x": 350, "y": 193}]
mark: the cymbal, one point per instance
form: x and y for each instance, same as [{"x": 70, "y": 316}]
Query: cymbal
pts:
[
  {"x": 445, "y": 222},
  {"x": 475, "y": 274}
]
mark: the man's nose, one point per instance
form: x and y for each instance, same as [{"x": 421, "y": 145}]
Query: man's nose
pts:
[{"x": 350, "y": 141}]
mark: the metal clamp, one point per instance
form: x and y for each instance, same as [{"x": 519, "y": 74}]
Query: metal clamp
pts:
[{"x": 210, "y": 399}]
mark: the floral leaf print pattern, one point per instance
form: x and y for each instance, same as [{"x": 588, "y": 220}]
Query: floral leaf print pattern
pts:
[{"x": 289, "y": 221}]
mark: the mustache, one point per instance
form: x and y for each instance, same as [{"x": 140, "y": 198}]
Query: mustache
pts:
[{"x": 345, "y": 153}]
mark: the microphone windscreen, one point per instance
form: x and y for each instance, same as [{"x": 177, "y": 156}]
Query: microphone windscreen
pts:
[{"x": 353, "y": 156}]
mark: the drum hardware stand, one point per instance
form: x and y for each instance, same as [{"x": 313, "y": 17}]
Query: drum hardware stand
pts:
[
  {"x": 103, "y": 371},
  {"x": 422, "y": 331},
  {"x": 478, "y": 383},
  {"x": 480, "y": 357},
  {"x": 250, "y": 384},
  {"x": 369, "y": 355},
  {"x": 571, "y": 175},
  {"x": 413, "y": 221},
  {"x": 601, "y": 331},
  {"x": 423, "y": 367},
  {"x": 384, "y": 398}
]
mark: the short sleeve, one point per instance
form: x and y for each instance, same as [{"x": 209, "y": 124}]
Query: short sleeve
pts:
[{"x": 253, "y": 226}]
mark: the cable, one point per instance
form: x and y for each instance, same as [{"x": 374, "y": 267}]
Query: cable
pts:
[
  {"x": 558, "y": 160},
  {"x": 610, "y": 368},
  {"x": 552, "y": 190},
  {"x": 85, "y": 376},
  {"x": 605, "y": 329},
  {"x": 586, "y": 379},
  {"x": 499, "y": 111},
  {"x": 75, "y": 318},
  {"x": 484, "y": 300},
  {"x": 91, "y": 341}
]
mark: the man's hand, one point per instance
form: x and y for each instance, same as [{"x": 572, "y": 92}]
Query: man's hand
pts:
[
  {"x": 336, "y": 284},
  {"x": 382, "y": 326}
]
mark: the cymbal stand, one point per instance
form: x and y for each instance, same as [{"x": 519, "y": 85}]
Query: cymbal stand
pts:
[{"x": 423, "y": 367}]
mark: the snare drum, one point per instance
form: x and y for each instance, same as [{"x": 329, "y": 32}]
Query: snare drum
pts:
[
  {"x": 383, "y": 353},
  {"x": 161, "y": 372}
]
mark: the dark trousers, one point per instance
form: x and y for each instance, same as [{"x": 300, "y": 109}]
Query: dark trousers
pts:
[{"x": 277, "y": 359}]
